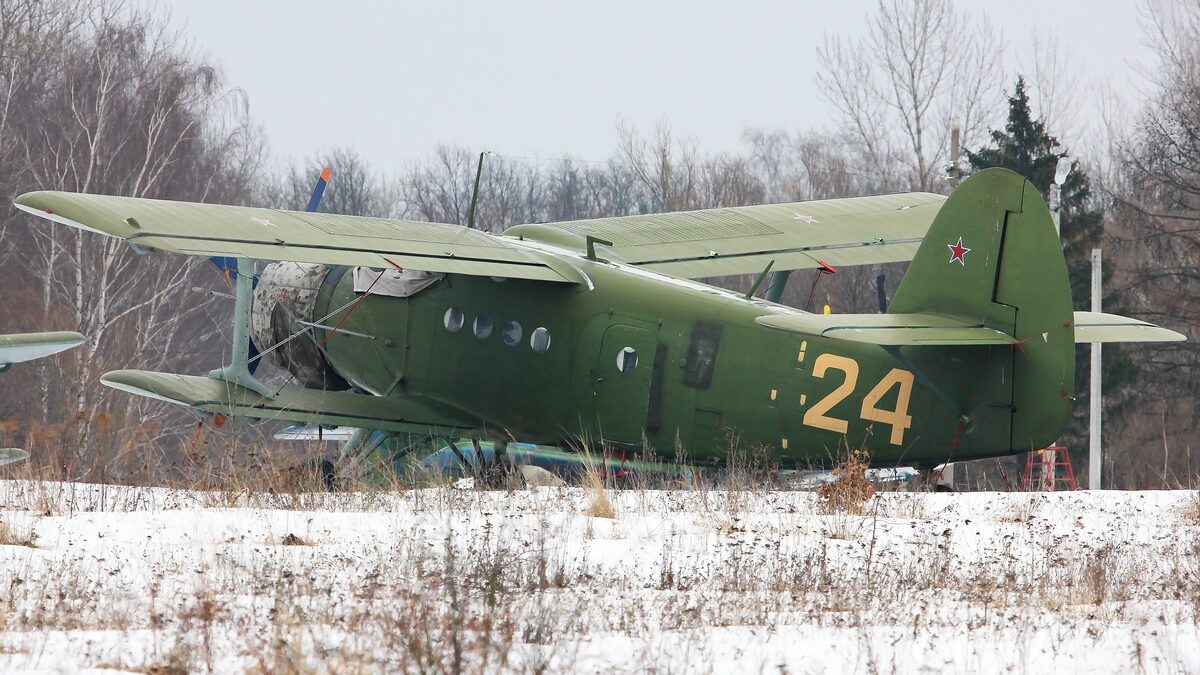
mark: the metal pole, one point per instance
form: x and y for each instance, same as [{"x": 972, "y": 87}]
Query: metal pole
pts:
[
  {"x": 475, "y": 192},
  {"x": 955, "y": 154},
  {"x": 1094, "y": 430},
  {"x": 1062, "y": 171},
  {"x": 955, "y": 176},
  {"x": 1056, "y": 207}
]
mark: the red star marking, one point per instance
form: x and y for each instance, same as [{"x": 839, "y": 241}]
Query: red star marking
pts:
[{"x": 958, "y": 252}]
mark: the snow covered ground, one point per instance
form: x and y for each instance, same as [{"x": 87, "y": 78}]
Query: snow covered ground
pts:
[{"x": 441, "y": 579}]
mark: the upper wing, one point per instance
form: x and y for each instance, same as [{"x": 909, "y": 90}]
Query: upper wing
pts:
[
  {"x": 269, "y": 234},
  {"x": 743, "y": 239},
  {"x": 29, "y": 346},
  {"x": 712, "y": 242}
]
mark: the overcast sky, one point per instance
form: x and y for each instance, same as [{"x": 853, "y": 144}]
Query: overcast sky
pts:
[{"x": 395, "y": 79}]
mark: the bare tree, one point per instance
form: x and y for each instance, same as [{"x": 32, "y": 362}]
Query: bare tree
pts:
[
  {"x": 667, "y": 169},
  {"x": 354, "y": 189},
  {"x": 98, "y": 97},
  {"x": 575, "y": 190},
  {"x": 1154, "y": 242},
  {"x": 804, "y": 166},
  {"x": 1055, "y": 82},
  {"x": 439, "y": 190},
  {"x": 921, "y": 65}
]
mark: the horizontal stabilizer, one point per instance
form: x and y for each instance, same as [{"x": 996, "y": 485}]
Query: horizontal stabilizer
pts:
[
  {"x": 1099, "y": 327},
  {"x": 889, "y": 329},
  {"x": 308, "y": 406}
]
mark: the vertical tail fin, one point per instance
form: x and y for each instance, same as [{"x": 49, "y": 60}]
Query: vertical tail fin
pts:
[{"x": 992, "y": 256}]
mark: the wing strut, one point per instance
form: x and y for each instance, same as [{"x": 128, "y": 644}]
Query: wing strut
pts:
[{"x": 238, "y": 371}]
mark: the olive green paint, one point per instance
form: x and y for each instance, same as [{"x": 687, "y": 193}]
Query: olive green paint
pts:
[{"x": 980, "y": 330}]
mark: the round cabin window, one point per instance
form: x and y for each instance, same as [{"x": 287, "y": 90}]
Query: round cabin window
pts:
[
  {"x": 482, "y": 326},
  {"x": 453, "y": 319},
  {"x": 539, "y": 340},
  {"x": 511, "y": 335},
  {"x": 627, "y": 359}
]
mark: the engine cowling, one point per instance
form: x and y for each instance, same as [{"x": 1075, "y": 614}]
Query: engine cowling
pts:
[{"x": 288, "y": 293}]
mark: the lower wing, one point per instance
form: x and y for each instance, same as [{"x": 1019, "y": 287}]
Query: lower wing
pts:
[
  {"x": 307, "y": 406},
  {"x": 28, "y": 346}
]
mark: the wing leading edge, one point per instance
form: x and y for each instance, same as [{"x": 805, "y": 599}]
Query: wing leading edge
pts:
[
  {"x": 307, "y": 406},
  {"x": 270, "y": 234}
]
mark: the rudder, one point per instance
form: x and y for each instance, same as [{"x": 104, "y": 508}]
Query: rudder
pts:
[{"x": 992, "y": 256}]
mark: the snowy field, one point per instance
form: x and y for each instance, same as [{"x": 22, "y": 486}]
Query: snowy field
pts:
[{"x": 441, "y": 579}]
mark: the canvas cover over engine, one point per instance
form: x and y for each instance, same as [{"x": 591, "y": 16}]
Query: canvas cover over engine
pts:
[
  {"x": 286, "y": 295},
  {"x": 393, "y": 282}
]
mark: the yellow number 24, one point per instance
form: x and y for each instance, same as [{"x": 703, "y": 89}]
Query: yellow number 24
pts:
[{"x": 898, "y": 419}]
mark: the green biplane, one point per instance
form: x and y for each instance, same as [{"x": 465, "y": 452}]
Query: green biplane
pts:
[{"x": 594, "y": 330}]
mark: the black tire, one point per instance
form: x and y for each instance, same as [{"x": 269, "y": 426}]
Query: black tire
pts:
[{"x": 328, "y": 474}]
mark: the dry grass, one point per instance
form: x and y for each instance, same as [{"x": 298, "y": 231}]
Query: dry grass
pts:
[
  {"x": 851, "y": 492},
  {"x": 11, "y": 536},
  {"x": 1191, "y": 508},
  {"x": 447, "y": 580},
  {"x": 599, "y": 505},
  {"x": 908, "y": 505},
  {"x": 413, "y": 575},
  {"x": 1023, "y": 508}
]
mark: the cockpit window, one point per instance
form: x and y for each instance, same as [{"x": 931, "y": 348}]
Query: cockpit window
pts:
[
  {"x": 482, "y": 326},
  {"x": 453, "y": 319},
  {"x": 539, "y": 340},
  {"x": 702, "y": 354},
  {"x": 511, "y": 334}
]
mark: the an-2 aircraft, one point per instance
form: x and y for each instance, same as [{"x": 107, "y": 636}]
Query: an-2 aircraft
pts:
[{"x": 593, "y": 330}]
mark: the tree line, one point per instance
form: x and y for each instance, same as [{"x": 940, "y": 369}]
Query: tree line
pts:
[{"x": 104, "y": 97}]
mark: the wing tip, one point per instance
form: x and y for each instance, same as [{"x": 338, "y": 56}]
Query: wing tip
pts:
[{"x": 37, "y": 199}]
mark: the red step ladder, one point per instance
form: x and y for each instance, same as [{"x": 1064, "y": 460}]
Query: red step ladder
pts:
[{"x": 1042, "y": 470}]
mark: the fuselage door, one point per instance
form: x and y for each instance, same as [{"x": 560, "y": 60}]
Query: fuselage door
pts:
[{"x": 622, "y": 382}]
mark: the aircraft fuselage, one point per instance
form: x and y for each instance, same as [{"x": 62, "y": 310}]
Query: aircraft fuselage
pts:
[{"x": 632, "y": 354}]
